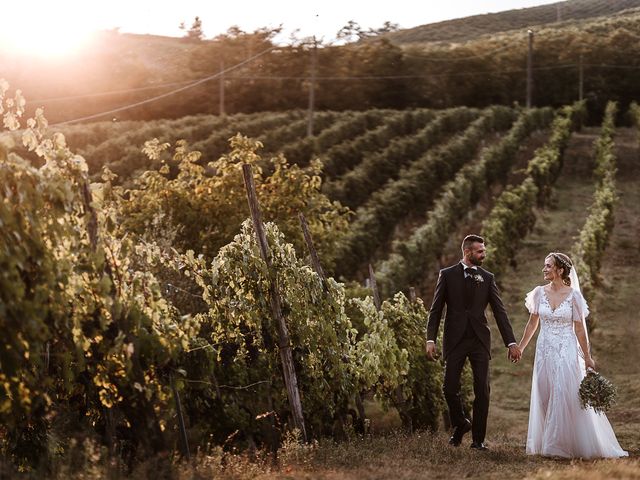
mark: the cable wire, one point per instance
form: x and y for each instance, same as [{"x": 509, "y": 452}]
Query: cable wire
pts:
[{"x": 167, "y": 94}]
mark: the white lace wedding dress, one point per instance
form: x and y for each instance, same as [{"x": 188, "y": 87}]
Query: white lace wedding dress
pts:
[{"x": 558, "y": 426}]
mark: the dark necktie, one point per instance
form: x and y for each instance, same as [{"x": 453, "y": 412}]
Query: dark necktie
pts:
[
  {"x": 468, "y": 286},
  {"x": 468, "y": 298}
]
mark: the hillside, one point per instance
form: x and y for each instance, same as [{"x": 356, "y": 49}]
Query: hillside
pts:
[{"x": 551, "y": 15}]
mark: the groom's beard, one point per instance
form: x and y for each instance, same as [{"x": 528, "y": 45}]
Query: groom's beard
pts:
[{"x": 476, "y": 261}]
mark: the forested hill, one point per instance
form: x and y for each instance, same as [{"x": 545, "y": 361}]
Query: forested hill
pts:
[{"x": 469, "y": 28}]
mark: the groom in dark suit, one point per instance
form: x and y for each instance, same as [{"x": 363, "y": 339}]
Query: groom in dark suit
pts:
[{"x": 466, "y": 290}]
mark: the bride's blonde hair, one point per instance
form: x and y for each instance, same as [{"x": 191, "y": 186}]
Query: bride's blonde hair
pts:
[{"x": 563, "y": 262}]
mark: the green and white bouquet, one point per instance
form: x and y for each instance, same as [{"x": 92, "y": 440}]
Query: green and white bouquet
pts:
[{"x": 596, "y": 392}]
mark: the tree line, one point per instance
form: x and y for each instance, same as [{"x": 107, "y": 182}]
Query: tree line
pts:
[{"x": 596, "y": 59}]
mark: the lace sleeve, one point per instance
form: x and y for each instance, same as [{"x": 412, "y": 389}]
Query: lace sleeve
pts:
[
  {"x": 532, "y": 300},
  {"x": 580, "y": 307}
]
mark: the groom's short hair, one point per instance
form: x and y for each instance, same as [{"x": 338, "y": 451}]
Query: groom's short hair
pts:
[{"x": 471, "y": 239}]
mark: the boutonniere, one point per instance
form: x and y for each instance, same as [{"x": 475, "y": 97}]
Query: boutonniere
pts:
[{"x": 478, "y": 278}]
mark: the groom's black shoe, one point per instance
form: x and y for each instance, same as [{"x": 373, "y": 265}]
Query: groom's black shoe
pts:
[
  {"x": 458, "y": 433},
  {"x": 479, "y": 446}
]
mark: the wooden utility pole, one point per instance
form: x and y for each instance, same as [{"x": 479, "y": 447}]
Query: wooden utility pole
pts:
[
  {"x": 312, "y": 86},
  {"x": 530, "y": 69},
  {"x": 284, "y": 343},
  {"x": 221, "y": 91},
  {"x": 580, "y": 79}
]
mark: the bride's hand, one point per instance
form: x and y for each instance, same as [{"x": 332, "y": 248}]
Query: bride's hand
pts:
[{"x": 589, "y": 363}]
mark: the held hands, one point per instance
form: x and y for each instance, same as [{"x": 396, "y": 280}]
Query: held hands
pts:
[
  {"x": 589, "y": 363},
  {"x": 514, "y": 354},
  {"x": 432, "y": 354}
]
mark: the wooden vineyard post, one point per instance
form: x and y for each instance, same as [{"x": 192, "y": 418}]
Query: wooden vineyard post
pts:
[
  {"x": 374, "y": 288},
  {"x": 92, "y": 224},
  {"x": 183, "y": 429},
  {"x": 317, "y": 267},
  {"x": 413, "y": 298},
  {"x": 284, "y": 343},
  {"x": 315, "y": 259}
]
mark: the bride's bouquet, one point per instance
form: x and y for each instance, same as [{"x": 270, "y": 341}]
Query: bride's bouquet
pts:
[{"x": 596, "y": 392}]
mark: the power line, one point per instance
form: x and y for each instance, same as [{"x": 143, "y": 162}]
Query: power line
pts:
[
  {"x": 192, "y": 84},
  {"x": 167, "y": 94},
  {"x": 391, "y": 77},
  {"x": 107, "y": 93},
  {"x": 306, "y": 78},
  {"x": 302, "y": 77},
  {"x": 604, "y": 65}
]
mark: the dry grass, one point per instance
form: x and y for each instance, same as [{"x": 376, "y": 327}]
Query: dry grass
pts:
[
  {"x": 600, "y": 470},
  {"x": 416, "y": 456}
]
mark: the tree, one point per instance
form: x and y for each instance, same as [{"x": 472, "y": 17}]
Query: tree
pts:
[
  {"x": 194, "y": 33},
  {"x": 353, "y": 32}
]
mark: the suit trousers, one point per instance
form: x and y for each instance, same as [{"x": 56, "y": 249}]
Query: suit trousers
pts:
[{"x": 471, "y": 348}]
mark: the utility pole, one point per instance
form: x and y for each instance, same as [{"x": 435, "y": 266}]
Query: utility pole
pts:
[
  {"x": 580, "y": 79},
  {"x": 559, "y": 13},
  {"x": 529, "y": 69},
  {"x": 221, "y": 92},
  {"x": 312, "y": 86}
]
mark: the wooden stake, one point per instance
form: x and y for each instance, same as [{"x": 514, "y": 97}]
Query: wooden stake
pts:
[
  {"x": 374, "y": 288},
  {"x": 92, "y": 224},
  {"x": 284, "y": 343},
  {"x": 183, "y": 429},
  {"x": 412, "y": 295},
  {"x": 315, "y": 259}
]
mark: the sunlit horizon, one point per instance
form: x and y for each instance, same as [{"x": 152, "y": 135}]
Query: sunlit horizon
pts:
[
  {"x": 57, "y": 29},
  {"x": 51, "y": 34}
]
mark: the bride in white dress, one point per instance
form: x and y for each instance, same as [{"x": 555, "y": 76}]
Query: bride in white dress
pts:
[{"x": 558, "y": 425}]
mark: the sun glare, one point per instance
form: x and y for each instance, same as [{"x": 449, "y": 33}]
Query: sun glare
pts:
[{"x": 47, "y": 33}]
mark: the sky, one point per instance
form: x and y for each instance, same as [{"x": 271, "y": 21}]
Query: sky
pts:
[
  {"x": 321, "y": 18},
  {"x": 59, "y": 26}
]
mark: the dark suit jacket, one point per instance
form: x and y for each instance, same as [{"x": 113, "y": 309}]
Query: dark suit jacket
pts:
[{"x": 450, "y": 292}]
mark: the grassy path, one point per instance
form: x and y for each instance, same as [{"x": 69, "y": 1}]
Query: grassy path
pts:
[
  {"x": 555, "y": 230},
  {"x": 615, "y": 341}
]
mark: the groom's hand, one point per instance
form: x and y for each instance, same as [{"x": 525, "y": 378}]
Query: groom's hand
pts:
[
  {"x": 514, "y": 354},
  {"x": 432, "y": 354}
]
